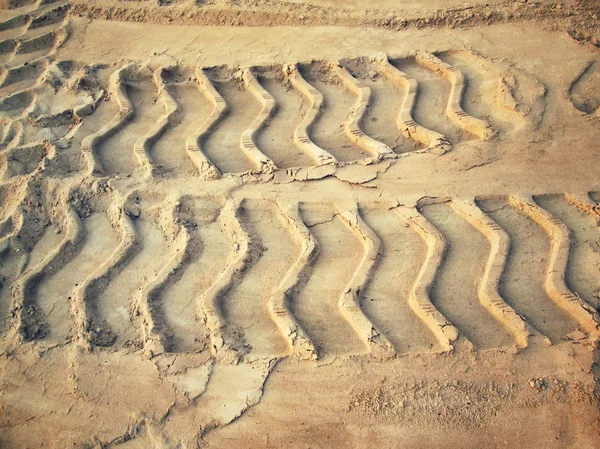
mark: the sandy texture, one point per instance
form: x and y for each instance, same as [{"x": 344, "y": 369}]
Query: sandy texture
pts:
[{"x": 299, "y": 224}]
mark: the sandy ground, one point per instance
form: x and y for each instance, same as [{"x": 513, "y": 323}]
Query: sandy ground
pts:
[{"x": 289, "y": 224}]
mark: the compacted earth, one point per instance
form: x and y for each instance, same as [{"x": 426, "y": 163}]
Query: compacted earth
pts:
[{"x": 299, "y": 224}]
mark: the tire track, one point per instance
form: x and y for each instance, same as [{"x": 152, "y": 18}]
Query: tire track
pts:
[
  {"x": 481, "y": 89},
  {"x": 30, "y": 321},
  {"x": 22, "y": 77},
  {"x": 169, "y": 152},
  {"x": 145, "y": 307},
  {"x": 352, "y": 125},
  {"x": 555, "y": 285},
  {"x": 455, "y": 290},
  {"x": 300, "y": 344},
  {"x": 226, "y": 344},
  {"x": 11, "y": 265},
  {"x": 454, "y": 110},
  {"x": 29, "y": 240},
  {"x": 582, "y": 93},
  {"x": 577, "y": 213},
  {"x": 207, "y": 256},
  {"x": 302, "y": 132},
  {"x": 386, "y": 298},
  {"x": 142, "y": 146},
  {"x": 489, "y": 295},
  {"x": 116, "y": 153},
  {"x": 419, "y": 298},
  {"x": 316, "y": 304},
  {"x": 222, "y": 145},
  {"x": 119, "y": 303},
  {"x": 43, "y": 45},
  {"x": 90, "y": 145},
  {"x": 262, "y": 163},
  {"x": 276, "y": 139},
  {"x": 384, "y": 106},
  {"x": 432, "y": 98},
  {"x": 90, "y": 330},
  {"x": 99, "y": 241},
  {"x": 272, "y": 252},
  {"x": 351, "y": 298},
  {"x": 522, "y": 286},
  {"x": 195, "y": 143},
  {"x": 327, "y": 130}
]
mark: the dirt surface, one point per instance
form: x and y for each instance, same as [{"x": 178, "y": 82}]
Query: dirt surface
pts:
[{"x": 299, "y": 224}]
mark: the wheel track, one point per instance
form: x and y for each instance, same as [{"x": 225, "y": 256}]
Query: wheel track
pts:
[
  {"x": 33, "y": 33},
  {"x": 489, "y": 289},
  {"x": 22, "y": 77},
  {"x": 134, "y": 89},
  {"x": 90, "y": 144},
  {"x": 276, "y": 139},
  {"x": 302, "y": 132},
  {"x": 223, "y": 146},
  {"x": 431, "y": 97},
  {"x": 352, "y": 125},
  {"x": 454, "y": 109},
  {"x": 386, "y": 298},
  {"x": 212, "y": 155},
  {"x": 300, "y": 344},
  {"x": 248, "y": 306},
  {"x": 28, "y": 319},
  {"x": 142, "y": 146},
  {"x": 44, "y": 45},
  {"x": 290, "y": 308},
  {"x": 206, "y": 256},
  {"x": 584, "y": 203},
  {"x": 89, "y": 331},
  {"x": 320, "y": 296},
  {"x": 23, "y": 249},
  {"x": 419, "y": 299},
  {"x": 154, "y": 339},
  {"x": 54, "y": 291},
  {"x": 384, "y": 105},
  {"x": 225, "y": 345},
  {"x": 126, "y": 306},
  {"x": 170, "y": 154},
  {"x": 350, "y": 300},
  {"x": 247, "y": 144},
  {"x": 525, "y": 275},
  {"x": 458, "y": 280},
  {"x": 195, "y": 151},
  {"x": 483, "y": 92},
  {"x": 555, "y": 285},
  {"x": 327, "y": 130},
  {"x": 580, "y": 214}
]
